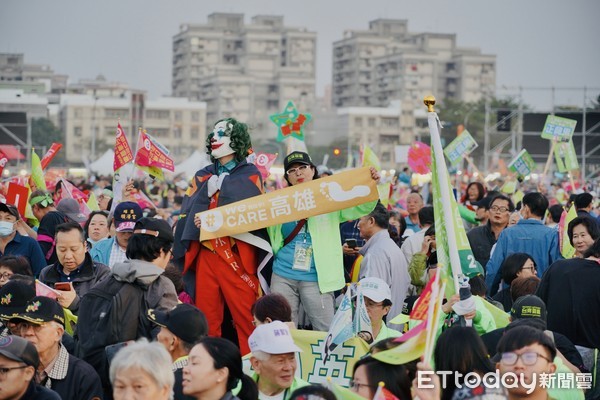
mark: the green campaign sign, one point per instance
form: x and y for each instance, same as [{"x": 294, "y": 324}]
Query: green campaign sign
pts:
[
  {"x": 522, "y": 164},
  {"x": 566, "y": 157},
  {"x": 558, "y": 128},
  {"x": 460, "y": 147}
]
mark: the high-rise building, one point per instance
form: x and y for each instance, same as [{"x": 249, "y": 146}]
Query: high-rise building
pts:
[
  {"x": 387, "y": 62},
  {"x": 31, "y": 78},
  {"x": 245, "y": 71}
]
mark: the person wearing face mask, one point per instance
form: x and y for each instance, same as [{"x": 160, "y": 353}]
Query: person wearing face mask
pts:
[
  {"x": 15, "y": 244},
  {"x": 226, "y": 270}
]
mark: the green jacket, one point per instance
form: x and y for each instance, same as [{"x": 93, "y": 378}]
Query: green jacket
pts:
[
  {"x": 298, "y": 383},
  {"x": 327, "y": 244}
]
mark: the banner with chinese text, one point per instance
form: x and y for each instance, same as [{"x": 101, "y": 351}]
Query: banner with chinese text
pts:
[
  {"x": 321, "y": 196},
  {"x": 558, "y": 128},
  {"x": 522, "y": 164},
  {"x": 311, "y": 365},
  {"x": 461, "y": 146}
]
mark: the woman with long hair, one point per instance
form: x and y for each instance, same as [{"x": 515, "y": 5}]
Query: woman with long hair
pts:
[{"x": 460, "y": 349}]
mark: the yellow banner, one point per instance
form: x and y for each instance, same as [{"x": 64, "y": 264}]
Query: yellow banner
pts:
[
  {"x": 311, "y": 367},
  {"x": 321, "y": 196}
]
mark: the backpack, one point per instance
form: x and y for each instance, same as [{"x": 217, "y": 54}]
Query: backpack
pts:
[{"x": 111, "y": 312}]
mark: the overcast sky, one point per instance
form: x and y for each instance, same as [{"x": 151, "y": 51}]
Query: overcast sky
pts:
[{"x": 538, "y": 43}]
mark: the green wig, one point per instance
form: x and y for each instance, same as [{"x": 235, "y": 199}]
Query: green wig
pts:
[{"x": 240, "y": 139}]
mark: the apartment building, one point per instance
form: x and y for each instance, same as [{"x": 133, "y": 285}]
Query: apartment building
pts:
[
  {"x": 89, "y": 123},
  {"x": 247, "y": 71},
  {"x": 387, "y": 62},
  {"x": 31, "y": 78}
]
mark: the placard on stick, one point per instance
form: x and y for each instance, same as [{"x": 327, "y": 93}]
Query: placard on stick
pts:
[
  {"x": 558, "y": 128},
  {"x": 522, "y": 164},
  {"x": 461, "y": 146}
]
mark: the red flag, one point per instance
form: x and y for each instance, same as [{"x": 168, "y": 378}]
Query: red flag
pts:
[
  {"x": 17, "y": 196},
  {"x": 263, "y": 162},
  {"x": 150, "y": 153},
  {"x": 421, "y": 307},
  {"x": 69, "y": 191},
  {"x": 143, "y": 200},
  {"x": 383, "y": 394},
  {"x": 3, "y": 161},
  {"x": 50, "y": 154},
  {"x": 122, "y": 150}
]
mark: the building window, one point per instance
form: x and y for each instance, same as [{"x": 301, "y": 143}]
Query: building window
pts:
[
  {"x": 77, "y": 113},
  {"x": 77, "y": 131},
  {"x": 389, "y": 122},
  {"x": 115, "y": 113},
  {"x": 158, "y": 114},
  {"x": 358, "y": 122},
  {"x": 371, "y": 122},
  {"x": 177, "y": 115},
  {"x": 195, "y": 132},
  {"x": 159, "y": 133},
  {"x": 177, "y": 132},
  {"x": 195, "y": 116}
]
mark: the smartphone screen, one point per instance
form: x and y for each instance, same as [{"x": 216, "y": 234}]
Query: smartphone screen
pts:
[
  {"x": 351, "y": 243},
  {"x": 62, "y": 286}
]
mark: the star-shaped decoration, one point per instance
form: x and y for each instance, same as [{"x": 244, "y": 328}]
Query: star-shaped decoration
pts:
[{"x": 290, "y": 122}]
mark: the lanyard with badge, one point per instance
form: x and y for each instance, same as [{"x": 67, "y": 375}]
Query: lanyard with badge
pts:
[{"x": 302, "y": 252}]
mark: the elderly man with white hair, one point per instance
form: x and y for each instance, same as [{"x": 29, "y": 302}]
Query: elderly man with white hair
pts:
[{"x": 274, "y": 361}]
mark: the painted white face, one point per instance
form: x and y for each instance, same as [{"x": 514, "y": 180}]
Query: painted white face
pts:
[{"x": 221, "y": 142}]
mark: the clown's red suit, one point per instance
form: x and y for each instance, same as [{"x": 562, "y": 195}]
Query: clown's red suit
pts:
[{"x": 226, "y": 269}]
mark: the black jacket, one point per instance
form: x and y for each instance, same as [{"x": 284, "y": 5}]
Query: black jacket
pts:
[
  {"x": 482, "y": 240},
  {"x": 37, "y": 392},
  {"x": 80, "y": 382},
  {"x": 91, "y": 273}
]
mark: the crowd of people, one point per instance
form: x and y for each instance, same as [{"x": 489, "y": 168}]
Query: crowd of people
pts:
[{"x": 127, "y": 303}]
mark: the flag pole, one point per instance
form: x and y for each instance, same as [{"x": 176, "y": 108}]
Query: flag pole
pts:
[
  {"x": 442, "y": 173},
  {"x": 137, "y": 146}
]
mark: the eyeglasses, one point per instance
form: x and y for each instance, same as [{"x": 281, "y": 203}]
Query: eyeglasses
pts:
[
  {"x": 356, "y": 386},
  {"x": 5, "y": 276},
  {"x": 528, "y": 358},
  {"x": 531, "y": 268},
  {"x": 499, "y": 209},
  {"x": 5, "y": 370},
  {"x": 301, "y": 168}
]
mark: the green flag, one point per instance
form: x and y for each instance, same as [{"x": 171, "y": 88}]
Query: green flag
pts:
[
  {"x": 37, "y": 174},
  {"x": 449, "y": 229}
]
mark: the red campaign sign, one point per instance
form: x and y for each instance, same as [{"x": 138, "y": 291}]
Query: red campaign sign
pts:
[
  {"x": 50, "y": 154},
  {"x": 17, "y": 195}
]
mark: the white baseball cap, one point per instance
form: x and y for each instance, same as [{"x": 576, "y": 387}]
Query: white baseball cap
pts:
[
  {"x": 273, "y": 338},
  {"x": 375, "y": 289}
]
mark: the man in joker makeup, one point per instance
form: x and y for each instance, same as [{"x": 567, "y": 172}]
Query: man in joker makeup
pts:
[{"x": 228, "y": 269}]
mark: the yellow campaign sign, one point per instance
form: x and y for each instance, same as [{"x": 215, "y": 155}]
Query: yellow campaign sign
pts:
[
  {"x": 321, "y": 196},
  {"x": 312, "y": 368}
]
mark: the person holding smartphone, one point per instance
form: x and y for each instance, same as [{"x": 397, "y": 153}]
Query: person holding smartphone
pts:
[{"x": 74, "y": 273}]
